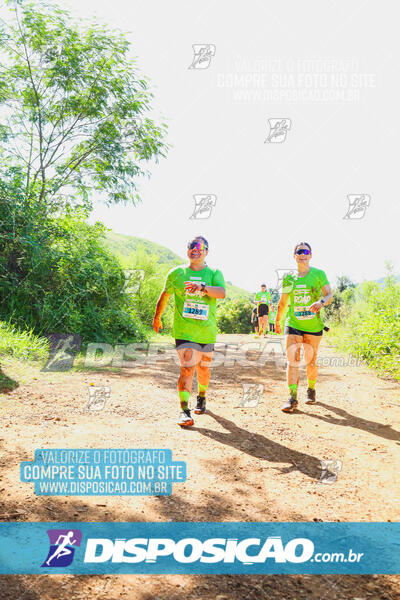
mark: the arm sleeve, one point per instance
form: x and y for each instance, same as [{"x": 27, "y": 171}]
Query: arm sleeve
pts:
[{"x": 218, "y": 279}]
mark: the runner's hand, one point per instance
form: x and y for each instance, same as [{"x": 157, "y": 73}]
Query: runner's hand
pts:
[
  {"x": 192, "y": 287},
  {"x": 157, "y": 324},
  {"x": 278, "y": 329},
  {"x": 316, "y": 307}
]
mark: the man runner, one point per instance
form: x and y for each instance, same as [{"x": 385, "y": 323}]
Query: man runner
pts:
[{"x": 261, "y": 301}]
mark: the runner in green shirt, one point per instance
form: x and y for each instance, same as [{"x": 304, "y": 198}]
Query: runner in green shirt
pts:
[
  {"x": 272, "y": 315},
  {"x": 196, "y": 288},
  {"x": 262, "y": 300},
  {"x": 304, "y": 325}
]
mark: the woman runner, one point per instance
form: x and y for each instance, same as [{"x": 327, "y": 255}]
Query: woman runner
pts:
[
  {"x": 195, "y": 288},
  {"x": 304, "y": 325}
]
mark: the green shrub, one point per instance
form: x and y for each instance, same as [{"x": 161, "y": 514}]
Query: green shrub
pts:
[
  {"x": 369, "y": 325},
  {"x": 56, "y": 277},
  {"x": 234, "y": 316}
]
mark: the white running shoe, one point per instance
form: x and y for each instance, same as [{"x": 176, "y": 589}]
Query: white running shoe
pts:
[{"x": 185, "y": 418}]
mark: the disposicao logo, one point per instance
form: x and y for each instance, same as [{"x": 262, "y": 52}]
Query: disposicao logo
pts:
[
  {"x": 190, "y": 550},
  {"x": 62, "y": 542}
]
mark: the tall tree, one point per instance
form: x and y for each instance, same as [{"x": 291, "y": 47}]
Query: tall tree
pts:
[
  {"x": 73, "y": 110},
  {"x": 344, "y": 282}
]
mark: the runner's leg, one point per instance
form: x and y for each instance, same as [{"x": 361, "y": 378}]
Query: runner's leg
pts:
[
  {"x": 293, "y": 347},
  {"x": 187, "y": 359},
  {"x": 262, "y": 325},
  {"x": 203, "y": 360},
  {"x": 266, "y": 325},
  {"x": 203, "y": 378},
  {"x": 311, "y": 344}
]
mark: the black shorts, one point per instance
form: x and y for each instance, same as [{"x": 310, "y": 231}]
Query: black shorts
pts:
[
  {"x": 263, "y": 310},
  {"x": 188, "y": 344},
  {"x": 293, "y": 331}
]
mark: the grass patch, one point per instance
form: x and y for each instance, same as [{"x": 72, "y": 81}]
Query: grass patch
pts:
[{"x": 23, "y": 345}]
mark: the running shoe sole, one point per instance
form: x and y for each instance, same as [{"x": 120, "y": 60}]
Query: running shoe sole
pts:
[
  {"x": 186, "y": 424},
  {"x": 310, "y": 401},
  {"x": 199, "y": 412},
  {"x": 289, "y": 408}
]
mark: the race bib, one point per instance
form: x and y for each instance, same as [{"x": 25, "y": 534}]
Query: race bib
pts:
[
  {"x": 301, "y": 308},
  {"x": 302, "y": 313},
  {"x": 195, "y": 310}
]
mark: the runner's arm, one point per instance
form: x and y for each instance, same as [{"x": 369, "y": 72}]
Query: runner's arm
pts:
[
  {"x": 215, "y": 291},
  {"x": 160, "y": 307},
  {"x": 327, "y": 297},
  {"x": 283, "y": 302},
  {"x": 327, "y": 294}
]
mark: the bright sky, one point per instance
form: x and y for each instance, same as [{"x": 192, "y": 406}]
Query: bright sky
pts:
[{"x": 328, "y": 71}]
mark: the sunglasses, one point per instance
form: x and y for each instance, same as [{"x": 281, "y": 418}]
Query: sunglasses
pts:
[
  {"x": 199, "y": 245},
  {"x": 303, "y": 251}
]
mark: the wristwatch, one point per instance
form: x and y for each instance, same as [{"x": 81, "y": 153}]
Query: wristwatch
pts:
[
  {"x": 322, "y": 301},
  {"x": 202, "y": 287}
]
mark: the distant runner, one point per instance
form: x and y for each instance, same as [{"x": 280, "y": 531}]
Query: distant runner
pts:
[
  {"x": 254, "y": 320},
  {"x": 195, "y": 288},
  {"x": 272, "y": 315},
  {"x": 304, "y": 325},
  {"x": 262, "y": 300}
]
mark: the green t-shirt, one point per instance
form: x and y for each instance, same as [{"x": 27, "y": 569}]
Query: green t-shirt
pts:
[
  {"x": 303, "y": 292},
  {"x": 272, "y": 315},
  {"x": 262, "y": 298},
  {"x": 195, "y": 314}
]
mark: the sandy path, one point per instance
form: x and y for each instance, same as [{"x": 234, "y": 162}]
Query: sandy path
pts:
[{"x": 243, "y": 464}]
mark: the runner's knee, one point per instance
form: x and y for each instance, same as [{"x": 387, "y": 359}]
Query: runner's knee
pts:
[{"x": 187, "y": 371}]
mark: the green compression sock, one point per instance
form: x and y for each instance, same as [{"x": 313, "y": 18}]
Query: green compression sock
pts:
[
  {"x": 184, "y": 399},
  {"x": 293, "y": 390},
  {"x": 202, "y": 390},
  {"x": 311, "y": 383}
]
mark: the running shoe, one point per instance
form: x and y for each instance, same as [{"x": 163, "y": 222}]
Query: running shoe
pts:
[
  {"x": 311, "y": 396},
  {"x": 185, "y": 418},
  {"x": 200, "y": 408},
  {"x": 290, "y": 405}
]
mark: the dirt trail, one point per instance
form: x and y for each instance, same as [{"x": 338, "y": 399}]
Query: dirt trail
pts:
[{"x": 243, "y": 464}]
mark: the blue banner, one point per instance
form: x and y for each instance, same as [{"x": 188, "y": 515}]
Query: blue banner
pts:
[{"x": 200, "y": 548}]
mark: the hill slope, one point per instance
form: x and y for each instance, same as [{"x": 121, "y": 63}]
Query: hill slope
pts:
[{"x": 125, "y": 246}]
